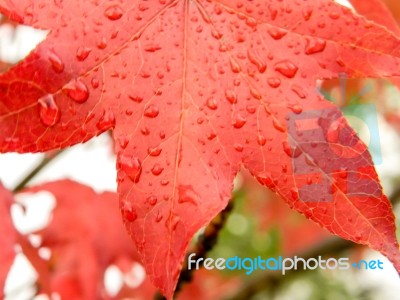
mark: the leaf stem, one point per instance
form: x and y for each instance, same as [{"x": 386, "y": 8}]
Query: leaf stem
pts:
[{"x": 49, "y": 157}]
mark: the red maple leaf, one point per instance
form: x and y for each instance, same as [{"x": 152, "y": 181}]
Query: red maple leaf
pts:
[
  {"x": 85, "y": 236},
  {"x": 193, "y": 90},
  {"x": 8, "y": 237}
]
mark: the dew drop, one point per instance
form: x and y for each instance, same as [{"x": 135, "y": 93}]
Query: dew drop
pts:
[
  {"x": 114, "y": 12},
  {"x": 294, "y": 193},
  {"x": 95, "y": 83},
  {"x": 266, "y": 179},
  {"x": 159, "y": 217},
  {"x": 107, "y": 121},
  {"x": 314, "y": 45},
  {"x": 261, "y": 140},
  {"x": 297, "y": 108},
  {"x": 102, "y": 44},
  {"x": 123, "y": 142},
  {"x": 307, "y": 12},
  {"x": 255, "y": 93},
  {"x": 274, "y": 82},
  {"x": 291, "y": 152},
  {"x": 83, "y": 53},
  {"x": 230, "y": 95},
  {"x": 334, "y": 15},
  {"x": 164, "y": 182},
  {"x": 135, "y": 98},
  {"x": 257, "y": 61},
  {"x": 157, "y": 170},
  {"x": 251, "y": 109},
  {"x": 251, "y": 22},
  {"x": 333, "y": 133},
  {"x": 131, "y": 166},
  {"x": 152, "y": 47},
  {"x": 212, "y": 104},
  {"x": 156, "y": 151},
  {"x": 238, "y": 147},
  {"x": 286, "y": 68},
  {"x": 278, "y": 126},
  {"x": 48, "y": 110},
  {"x": 234, "y": 66},
  {"x": 145, "y": 131},
  {"x": 187, "y": 194},
  {"x": 56, "y": 62},
  {"x": 239, "y": 122},
  {"x": 77, "y": 90},
  {"x": 152, "y": 200},
  {"x": 151, "y": 111},
  {"x": 299, "y": 91},
  {"x": 129, "y": 214},
  {"x": 277, "y": 33}
]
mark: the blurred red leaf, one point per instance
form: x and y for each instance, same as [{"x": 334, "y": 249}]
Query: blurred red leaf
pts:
[
  {"x": 8, "y": 237},
  {"x": 85, "y": 236},
  {"x": 377, "y": 11},
  {"x": 394, "y": 7}
]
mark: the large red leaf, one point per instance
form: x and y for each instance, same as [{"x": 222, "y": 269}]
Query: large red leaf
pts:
[
  {"x": 8, "y": 237},
  {"x": 195, "y": 89}
]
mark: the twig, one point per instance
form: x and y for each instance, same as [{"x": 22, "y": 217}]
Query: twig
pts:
[
  {"x": 42, "y": 164},
  {"x": 205, "y": 243}
]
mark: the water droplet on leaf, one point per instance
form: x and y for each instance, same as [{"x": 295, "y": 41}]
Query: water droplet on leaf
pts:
[
  {"x": 152, "y": 200},
  {"x": 239, "y": 122},
  {"x": 230, "y": 96},
  {"x": 151, "y": 111},
  {"x": 83, "y": 53},
  {"x": 48, "y": 110},
  {"x": 131, "y": 166},
  {"x": 56, "y": 62},
  {"x": 156, "y": 151},
  {"x": 107, "y": 121},
  {"x": 286, "y": 68},
  {"x": 114, "y": 12},
  {"x": 77, "y": 90},
  {"x": 277, "y": 33},
  {"x": 314, "y": 45},
  {"x": 274, "y": 82},
  {"x": 157, "y": 170}
]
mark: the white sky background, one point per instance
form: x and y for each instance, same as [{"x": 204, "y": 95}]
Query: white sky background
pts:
[{"x": 93, "y": 164}]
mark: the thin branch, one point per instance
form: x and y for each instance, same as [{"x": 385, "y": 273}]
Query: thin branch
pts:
[
  {"x": 48, "y": 158},
  {"x": 205, "y": 243}
]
